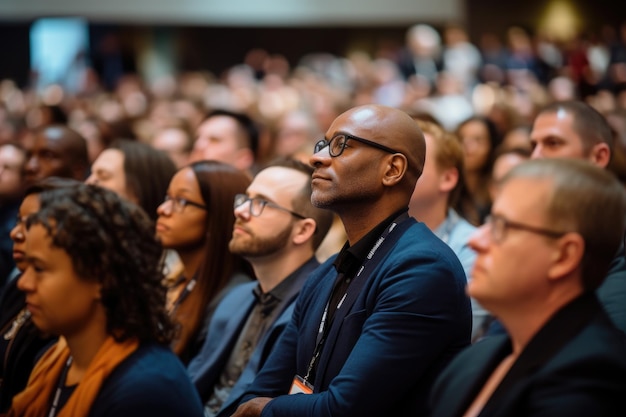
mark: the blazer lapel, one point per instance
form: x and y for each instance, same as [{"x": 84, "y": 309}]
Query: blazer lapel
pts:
[
  {"x": 560, "y": 329},
  {"x": 471, "y": 375}
]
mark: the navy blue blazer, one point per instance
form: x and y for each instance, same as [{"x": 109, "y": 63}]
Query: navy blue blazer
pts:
[
  {"x": 226, "y": 324},
  {"x": 382, "y": 354},
  {"x": 574, "y": 366}
]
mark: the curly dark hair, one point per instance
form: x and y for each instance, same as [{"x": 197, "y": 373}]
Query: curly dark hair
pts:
[{"x": 111, "y": 241}]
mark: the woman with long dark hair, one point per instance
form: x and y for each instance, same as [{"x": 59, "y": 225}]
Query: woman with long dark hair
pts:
[
  {"x": 480, "y": 138},
  {"x": 196, "y": 220}
]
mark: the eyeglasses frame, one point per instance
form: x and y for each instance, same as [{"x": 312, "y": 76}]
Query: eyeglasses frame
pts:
[
  {"x": 182, "y": 203},
  {"x": 509, "y": 224},
  {"x": 322, "y": 143},
  {"x": 263, "y": 202}
]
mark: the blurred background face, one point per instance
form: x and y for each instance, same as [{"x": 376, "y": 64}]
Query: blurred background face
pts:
[
  {"x": 501, "y": 166},
  {"x": 174, "y": 143},
  {"x": 184, "y": 229},
  {"x": 12, "y": 162},
  {"x": 294, "y": 134},
  {"x": 217, "y": 140},
  {"x": 476, "y": 145},
  {"x": 107, "y": 171},
  {"x": 48, "y": 157},
  {"x": 29, "y": 205}
]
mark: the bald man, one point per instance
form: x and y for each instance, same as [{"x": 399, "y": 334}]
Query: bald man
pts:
[
  {"x": 56, "y": 151},
  {"x": 374, "y": 325}
]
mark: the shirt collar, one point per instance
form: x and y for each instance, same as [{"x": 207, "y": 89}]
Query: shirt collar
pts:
[{"x": 351, "y": 257}]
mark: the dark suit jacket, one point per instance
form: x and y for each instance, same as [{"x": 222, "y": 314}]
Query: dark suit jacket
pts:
[
  {"x": 612, "y": 292},
  {"x": 226, "y": 324},
  {"x": 383, "y": 354},
  {"x": 574, "y": 366}
]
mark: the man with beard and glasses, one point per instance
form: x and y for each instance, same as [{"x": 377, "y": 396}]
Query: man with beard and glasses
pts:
[{"x": 277, "y": 230}]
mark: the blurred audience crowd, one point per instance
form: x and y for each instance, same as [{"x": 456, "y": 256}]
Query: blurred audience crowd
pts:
[{"x": 192, "y": 148}]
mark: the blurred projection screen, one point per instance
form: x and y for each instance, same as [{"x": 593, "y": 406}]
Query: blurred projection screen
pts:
[
  {"x": 58, "y": 51},
  {"x": 242, "y": 12}
]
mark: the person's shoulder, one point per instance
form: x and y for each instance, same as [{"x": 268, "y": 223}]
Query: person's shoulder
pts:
[
  {"x": 152, "y": 364},
  {"x": 420, "y": 242},
  {"x": 474, "y": 358},
  {"x": 599, "y": 339},
  {"x": 152, "y": 379}
]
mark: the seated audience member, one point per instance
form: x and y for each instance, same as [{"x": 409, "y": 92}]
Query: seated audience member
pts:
[
  {"x": 196, "y": 220},
  {"x": 141, "y": 174},
  {"x": 573, "y": 129},
  {"x": 504, "y": 160},
  {"x": 12, "y": 159},
  {"x": 296, "y": 132},
  {"x": 92, "y": 278},
  {"x": 517, "y": 138},
  {"x": 135, "y": 171},
  {"x": 374, "y": 325},
  {"x": 229, "y": 137},
  {"x": 277, "y": 230},
  {"x": 56, "y": 151},
  {"x": 96, "y": 132},
  {"x": 21, "y": 341},
  {"x": 480, "y": 138},
  {"x": 436, "y": 193},
  {"x": 543, "y": 252},
  {"x": 176, "y": 142}
]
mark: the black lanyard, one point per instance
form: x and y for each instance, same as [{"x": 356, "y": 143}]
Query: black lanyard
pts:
[
  {"x": 60, "y": 383},
  {"x": 183, "y": 295},
  {"x": 323, "y": 330}
]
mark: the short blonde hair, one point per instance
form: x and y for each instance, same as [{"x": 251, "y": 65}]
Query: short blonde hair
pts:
[{"x": 587, "y": 200}]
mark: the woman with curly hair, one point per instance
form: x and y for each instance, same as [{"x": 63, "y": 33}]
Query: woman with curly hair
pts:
[
  {"x": 21, "y": 341},
  {"x": 93, "y": 278},
  {"x": 196, "y": 220}
]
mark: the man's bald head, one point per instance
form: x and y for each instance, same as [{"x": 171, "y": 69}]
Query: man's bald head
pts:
[
  {"x": 394, "y": 129},
  {"x": 57, "y": 151}
]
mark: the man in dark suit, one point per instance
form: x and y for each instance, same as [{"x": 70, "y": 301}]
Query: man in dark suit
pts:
[
  {"x": 547, "y": 246},
  {"x": 375, "y": 325},
  {"x": 277, "y": 230}
]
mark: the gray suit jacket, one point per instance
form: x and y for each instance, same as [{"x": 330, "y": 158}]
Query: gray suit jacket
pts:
[{"x": 224, "y": 329}]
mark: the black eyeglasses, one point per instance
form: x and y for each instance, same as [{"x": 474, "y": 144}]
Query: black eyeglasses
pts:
[
  {"x": 338, "y": 143},
  {"x": 257, "y": 205},
  {"x": 179, "y": 203},
  {"x": 498, "y": 226}
]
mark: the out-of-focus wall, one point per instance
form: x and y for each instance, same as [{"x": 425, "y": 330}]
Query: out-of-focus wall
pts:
[{"x": 241, "y": 12}]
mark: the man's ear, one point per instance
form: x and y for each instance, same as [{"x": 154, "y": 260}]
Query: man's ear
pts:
[
  {"x": 395, "y": 169},
  {"x": 448, "y": 179},
  {"x": 600, "y": 154},
  {"x": 567, "y": 256},
  {"x": 303, "y": 230}
]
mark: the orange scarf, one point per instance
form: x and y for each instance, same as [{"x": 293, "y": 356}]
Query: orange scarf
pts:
[{"x": 34, "y": 401}]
